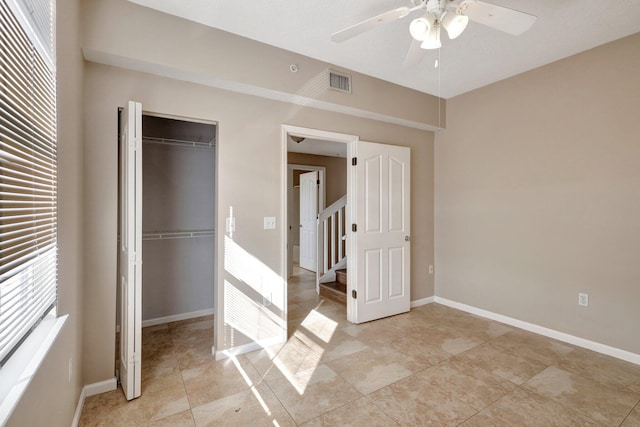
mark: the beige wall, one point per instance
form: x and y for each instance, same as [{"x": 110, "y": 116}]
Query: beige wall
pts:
[
  {"x": 106, "y": 88},
  {"x": 142, "y": 37},
  {"x": 336, "y": 169},
  {"x": 249, "y": 185},
  {"x": 51, "y": 399},
  {"x": 538, "y": 196}
]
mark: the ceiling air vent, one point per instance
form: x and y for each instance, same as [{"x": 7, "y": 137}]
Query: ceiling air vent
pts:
[{"x": 339, "y": 81}]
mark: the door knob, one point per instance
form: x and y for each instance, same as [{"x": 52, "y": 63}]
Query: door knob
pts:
[{"x": 407, "y": 238}]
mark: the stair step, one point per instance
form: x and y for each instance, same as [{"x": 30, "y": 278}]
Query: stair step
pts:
[
  {"x": 341, "y": 276},
  {"x": 334, "y": 291}
]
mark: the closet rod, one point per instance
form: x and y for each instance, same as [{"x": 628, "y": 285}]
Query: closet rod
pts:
[
  {"x": 178, "y": 234},
  {"x": 179, "y": 142}
]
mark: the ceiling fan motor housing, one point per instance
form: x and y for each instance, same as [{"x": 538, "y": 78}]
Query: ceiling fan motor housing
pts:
[{"x": 437, "y": 8}]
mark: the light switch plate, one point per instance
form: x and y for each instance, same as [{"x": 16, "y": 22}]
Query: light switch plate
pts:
[
  {"x": 231, "y": 225},
  {"x": 269, "y": 222}
]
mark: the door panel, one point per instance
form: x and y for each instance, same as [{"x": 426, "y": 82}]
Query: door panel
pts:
[
  {"x": 131, "y": 249},
  {"x": 381, "y": 242},
  {"x": 396, "y": 194},
  {"x": 373, "y": 189},
  {"x": 308, "y": 220},
  {"x": 373, "y": 275},
  {"x": 396, "y": 273}
]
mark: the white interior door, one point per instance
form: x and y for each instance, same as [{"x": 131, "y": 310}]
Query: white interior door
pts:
[
  {"x": 131, "y": 249},
  {"x": 308, "y": 220},
  {"x": 380, "y": 270}
]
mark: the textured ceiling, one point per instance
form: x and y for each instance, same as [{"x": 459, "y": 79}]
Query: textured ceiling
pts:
[{"x": 480, "y": 56}]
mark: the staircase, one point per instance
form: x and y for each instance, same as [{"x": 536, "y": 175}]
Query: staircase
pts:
[
  {"x": 331, "y": 276},
  {"x": 336, "y": 291}
]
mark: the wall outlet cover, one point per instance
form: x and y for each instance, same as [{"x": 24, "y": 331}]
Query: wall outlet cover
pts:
[{"x": 583, "y": 299}]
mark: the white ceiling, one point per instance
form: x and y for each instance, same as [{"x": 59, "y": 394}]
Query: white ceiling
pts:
[
  {"x": 480, "y": 56},
  {"x": 317, "y": 147}
]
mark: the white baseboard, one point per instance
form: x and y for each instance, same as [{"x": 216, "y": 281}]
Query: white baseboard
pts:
[
  {"x": 423, "y": 301},
  {"x": 551, "y": 333},
  {"x": 101, "y": 387},
  {"x": 91, "y": 390},
  {"x": 76, "y": 416},
  {"x": 246, "y": 348},
  {"x": 176, "y": 317}
]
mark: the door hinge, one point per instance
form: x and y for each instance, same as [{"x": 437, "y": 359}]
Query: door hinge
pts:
[
  {"x": 354, "y": 161},
  {"x": 354, "y": 227},
  {"x": 318, "y": 182},
  {"x": 354, "y": 294}
]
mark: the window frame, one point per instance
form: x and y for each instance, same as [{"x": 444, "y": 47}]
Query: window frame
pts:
[{"x": 31, "y": 37}]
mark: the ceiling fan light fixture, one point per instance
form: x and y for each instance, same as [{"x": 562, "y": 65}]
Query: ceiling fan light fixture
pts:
[
  {"x": 455, "y": 24},
  {"x": 433, "y": 39},
  {"x": 420, "y": 27}
]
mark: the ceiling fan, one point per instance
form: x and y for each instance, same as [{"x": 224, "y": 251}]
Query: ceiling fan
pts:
[{"x": 452, "y": 15}]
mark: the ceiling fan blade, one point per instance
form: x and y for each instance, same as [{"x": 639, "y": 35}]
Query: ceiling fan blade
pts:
[
  {"x": 501, "y": 18},
  {"x": 415, "y": 54},
  {"x": 370, "y": 24}
]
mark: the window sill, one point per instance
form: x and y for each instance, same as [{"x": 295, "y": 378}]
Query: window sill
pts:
[{"x": 16, "y": 374}]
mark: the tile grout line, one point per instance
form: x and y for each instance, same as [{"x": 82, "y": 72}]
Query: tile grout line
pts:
[{"x": 637, "y": 405}]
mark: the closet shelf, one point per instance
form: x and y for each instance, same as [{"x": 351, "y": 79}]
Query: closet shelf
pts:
[
  {"x": 179, "y": 142},
  {"x": 177, "y": 234}
]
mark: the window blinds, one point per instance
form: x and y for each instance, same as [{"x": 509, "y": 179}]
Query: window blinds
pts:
[{"x": 28, "y": 174}]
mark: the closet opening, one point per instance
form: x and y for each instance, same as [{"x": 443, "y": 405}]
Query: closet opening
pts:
[{"x": 178, "y": 243}]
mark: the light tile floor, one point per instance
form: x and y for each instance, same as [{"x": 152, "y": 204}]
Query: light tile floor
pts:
[{"x": 432, "y": 366}]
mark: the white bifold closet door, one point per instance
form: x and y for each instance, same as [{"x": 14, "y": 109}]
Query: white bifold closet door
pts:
[{"x": 131, "y": 249}]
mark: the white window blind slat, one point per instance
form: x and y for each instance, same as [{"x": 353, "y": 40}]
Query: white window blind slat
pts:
[
  {"x": 29, "y": 155},
  {"x": 21, "y": 294},
  {"x": 15, "y": 172},
  {"x": 34, "y": 27},
  {"x": 46, "y": 186},
  {"x": 15, "y": 313},
  {"x": 28, "y": 169},
  {"x": 11, "y": 246},
  {"x": 11, "y": 161}
]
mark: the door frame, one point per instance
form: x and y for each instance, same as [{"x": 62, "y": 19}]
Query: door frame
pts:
[
  {"x": 118, "y": 306},
  {"x": 322, "y": 201},
  {"x": 290, "y": 130}
]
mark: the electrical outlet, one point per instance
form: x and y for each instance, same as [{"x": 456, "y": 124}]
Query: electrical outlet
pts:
[
  {"x": 431, "y": 269},
  {"x": 583, "y": 300}
]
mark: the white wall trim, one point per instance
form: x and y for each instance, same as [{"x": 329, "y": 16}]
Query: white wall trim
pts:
[
  {"x": 79, "y": 406},
  {"x": 100, "y": 387},
  {"x": 22, "y": 366},
  {"x": 208, "y": 80},
  {"x": 177, "y": 317},
  {"x": 551, "y": 333},
  {"x": 423, "y": 301},
  {"x": 92, "y": 390}
]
